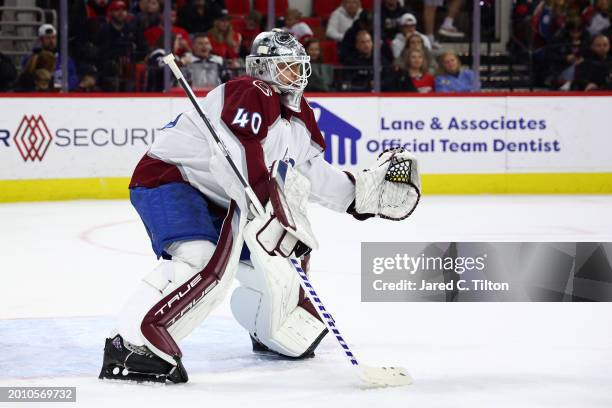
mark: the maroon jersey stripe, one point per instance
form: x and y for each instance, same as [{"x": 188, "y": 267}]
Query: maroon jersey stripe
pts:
[{"x": 151, "y": 172}]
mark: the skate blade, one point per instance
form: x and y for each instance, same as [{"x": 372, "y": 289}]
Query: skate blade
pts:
[{"x": 132, "y": 376}]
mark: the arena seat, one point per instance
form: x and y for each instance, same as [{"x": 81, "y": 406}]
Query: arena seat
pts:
[
  {"x": 323, "y": 8},
  {"x": 238, "y": 7},
  {"x": 316, "y": 25},
  {"x": 238, "y": 23},
  {"x": 280, "y": 7},
  {"x": 329, "y": 51}
]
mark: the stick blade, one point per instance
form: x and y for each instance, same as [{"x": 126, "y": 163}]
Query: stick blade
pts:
[{"x": 385, "y": 376}]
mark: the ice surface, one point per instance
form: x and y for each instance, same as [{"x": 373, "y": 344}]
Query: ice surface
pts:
[{"x": 68, "y": 266}]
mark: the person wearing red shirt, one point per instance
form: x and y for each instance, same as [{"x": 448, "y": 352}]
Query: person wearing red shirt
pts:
[
  {"x": 225, "y": 41},
  {"x": 416, "y": 65},
  {"x": 153, "y": 34}
]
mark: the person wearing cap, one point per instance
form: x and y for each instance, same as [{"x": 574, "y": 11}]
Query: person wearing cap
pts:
[
  {"x": 390, "y": 13},
  {"x": 45, "y": 56},
  {"x": 120, "y": 46},
  {"x": 407, "y": 26},
  {"x": 342, "y": 19}
]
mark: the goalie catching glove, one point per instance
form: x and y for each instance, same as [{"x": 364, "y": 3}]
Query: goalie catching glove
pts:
[
  {"x": 390, "y": 189},
  {"x": 287, "y": 231}
]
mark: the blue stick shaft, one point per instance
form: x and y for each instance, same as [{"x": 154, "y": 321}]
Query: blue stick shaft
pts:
[{"x": 325, "y": 315}]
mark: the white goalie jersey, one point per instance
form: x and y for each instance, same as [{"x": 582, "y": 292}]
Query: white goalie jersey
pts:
[{"x": 257, "y": 130}]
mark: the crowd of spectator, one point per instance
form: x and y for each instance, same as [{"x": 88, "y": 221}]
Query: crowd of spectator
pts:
[
  {"x": 117, "y": 45},
  {"x": 570, "y": 42}
]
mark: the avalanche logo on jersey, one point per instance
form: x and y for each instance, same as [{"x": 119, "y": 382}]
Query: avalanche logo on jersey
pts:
[
  {"x": 331, "y": 125},
  {"x": 172, "y": 123}
]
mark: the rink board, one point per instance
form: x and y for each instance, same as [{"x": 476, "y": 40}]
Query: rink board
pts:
[{"x": 86, "y": 147}]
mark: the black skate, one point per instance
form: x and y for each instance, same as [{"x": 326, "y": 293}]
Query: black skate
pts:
[
  {"x": 125, "y": 361},
  {"x": 260, "y": 348}
]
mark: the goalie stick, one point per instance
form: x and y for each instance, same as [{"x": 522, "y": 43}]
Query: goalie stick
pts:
[{"x": 378, "y": 376}]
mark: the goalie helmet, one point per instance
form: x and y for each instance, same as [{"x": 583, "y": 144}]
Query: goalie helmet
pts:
[{"x": 280, "y": 60}]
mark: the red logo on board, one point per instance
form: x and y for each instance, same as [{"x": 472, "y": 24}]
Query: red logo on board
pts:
[{"x": 32, "y": 138}]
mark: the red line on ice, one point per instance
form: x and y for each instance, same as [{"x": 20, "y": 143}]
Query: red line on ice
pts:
[{"x": 86, "y": 237}]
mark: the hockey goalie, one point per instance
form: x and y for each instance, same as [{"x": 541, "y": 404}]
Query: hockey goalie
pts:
[{"x": 202, "y": 225}]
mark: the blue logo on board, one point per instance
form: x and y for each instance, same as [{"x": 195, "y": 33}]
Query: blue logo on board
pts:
[{"x": 332, "y": 126}]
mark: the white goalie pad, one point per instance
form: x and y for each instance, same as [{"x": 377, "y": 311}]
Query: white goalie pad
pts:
[
  {"x": 287, "y": 230},
  {"x": 189, "y": 258},
  {"x": 266, "y": 303},
  {"x": 391, "y": 188},
  {"x": 176, "y": 297}
]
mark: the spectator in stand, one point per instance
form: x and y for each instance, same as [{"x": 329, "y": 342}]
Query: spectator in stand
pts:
[
  {"x": 347, "y": 46},
  {"x": 390, "y": 13},
  {"x": 42, "y": 81},
  {"x": 251, "y": 28},
  {"x": 154, "y": 80},
  {"x": 95, "y": 13},
  {"x": 360, "y": 77},
  {"x": 548, "y": 17},
  {"x": 8, "y": 73},
  {"x": 418, "y": 71},
  {"x": 415, "y": 42},
  {"x": 203, "y": 69},
  {"x": 447, "y": 29},
  {"x": 595, "y": 72},
  {"x": 120, "y": 47},
  {"x": 342, "y": 19},
  {"x": 453, "y": 78},
  {"x": 45, "y": 56},
  {"x": 299, "y": 29},
  {"x": 596, "y": 18},
  {"x": 182, "y": 42},
  {"x": 199, "y": 15},
  {"x": 96, "y": 8},
  {"x": 565, "y": 53},
  {"x": 407, "y": 24},
  {"x": 414, "y": 77},
  {"x": 322, "y": 75},
  {"x": 149, "y": 15},
  {"x": 89, "y": 80},
  {"x": 225, "y": 41}
]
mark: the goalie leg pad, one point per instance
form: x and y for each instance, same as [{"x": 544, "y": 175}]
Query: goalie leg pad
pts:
[
  {"x": 180, "y": 293},
  {"x": 267, "y": 303}
]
